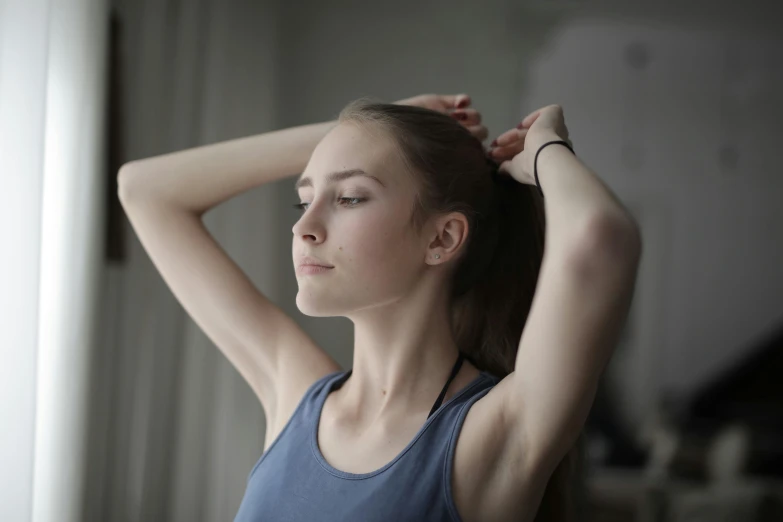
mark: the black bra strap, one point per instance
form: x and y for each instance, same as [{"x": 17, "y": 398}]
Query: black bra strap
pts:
[
  {"x": 438, "y": 402},
  {"x": 454, "y": 372}
]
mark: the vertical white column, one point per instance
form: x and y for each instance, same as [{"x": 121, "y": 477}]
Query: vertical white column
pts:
[
  {"x": 23, "y": 56},
  {"x": 72, "y": 236}
]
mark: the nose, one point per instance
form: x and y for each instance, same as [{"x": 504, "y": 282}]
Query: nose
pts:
[{"x": 309, "y": 228}]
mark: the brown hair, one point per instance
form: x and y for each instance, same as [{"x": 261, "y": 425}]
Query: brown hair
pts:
[{"x": 493, "y": 285}]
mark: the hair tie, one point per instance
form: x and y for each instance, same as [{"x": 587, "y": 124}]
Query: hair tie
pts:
[{"x": 535, "y": 160}]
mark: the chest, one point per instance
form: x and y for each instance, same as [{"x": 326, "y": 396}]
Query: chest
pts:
[
  {"x": 480, "y": 486},
  {"x": 354, "y": 450}
]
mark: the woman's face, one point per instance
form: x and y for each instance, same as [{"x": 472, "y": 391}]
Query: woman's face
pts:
[{"x": 357, "y": 224}]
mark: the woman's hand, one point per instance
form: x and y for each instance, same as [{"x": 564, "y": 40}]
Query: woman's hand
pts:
[
  {"x": 515, "y": 149},
  {"x": 454, "y": 105}
]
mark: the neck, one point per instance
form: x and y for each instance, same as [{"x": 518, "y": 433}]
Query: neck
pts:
[{"x": 403, "y": 357}]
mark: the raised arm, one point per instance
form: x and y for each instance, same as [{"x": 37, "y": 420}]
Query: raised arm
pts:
[
  {"x": 592, "y": 252},
  {"x": 585, "y": 286},
  {"x": 200, "y": 178},
  {"x": 164, "y": 198}
]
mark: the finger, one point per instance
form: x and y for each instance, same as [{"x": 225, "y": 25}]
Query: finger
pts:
[
  {"x": 510, "y": 136},
  {"x": 554, "y": 112},
  {"x": 467, "y": 116},
  {"x": 504, "y": 153},
  {"x": 530, "y": 118},
  {"x": 455, "y": 100},
  {"x": 479, "y": 131}
]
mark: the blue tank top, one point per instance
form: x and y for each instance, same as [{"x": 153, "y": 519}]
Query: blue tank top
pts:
[{"x": 292, "y": 481}]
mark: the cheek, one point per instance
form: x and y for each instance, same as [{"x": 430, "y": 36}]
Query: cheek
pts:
[{"x": 376, "y": 245}]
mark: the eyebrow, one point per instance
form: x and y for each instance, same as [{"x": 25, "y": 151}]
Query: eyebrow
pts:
[{"x": 335, "y": 177}]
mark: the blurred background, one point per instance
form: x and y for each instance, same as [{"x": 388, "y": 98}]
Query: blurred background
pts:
[{"x": 116, "y": 407}]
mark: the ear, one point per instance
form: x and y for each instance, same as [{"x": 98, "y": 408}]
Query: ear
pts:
[{"x": 448, "y": 237}]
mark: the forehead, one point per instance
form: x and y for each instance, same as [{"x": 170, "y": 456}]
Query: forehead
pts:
[{"x": 350, "y": 146}]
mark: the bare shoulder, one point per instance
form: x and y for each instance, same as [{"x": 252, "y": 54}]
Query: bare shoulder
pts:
[{"x": 493, "y": 476}]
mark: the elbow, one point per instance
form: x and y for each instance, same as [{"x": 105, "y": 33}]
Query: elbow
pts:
[
  {"x": 125, "y": 177},
  {"x": 609, "y": 240},
  {"x": 125, "y": 172}
]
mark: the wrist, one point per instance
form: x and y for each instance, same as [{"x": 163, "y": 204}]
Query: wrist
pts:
[{"x": 548, "y": 150}]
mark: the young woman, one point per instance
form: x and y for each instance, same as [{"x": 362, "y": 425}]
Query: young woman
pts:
[{"x": 434, "y": 248}]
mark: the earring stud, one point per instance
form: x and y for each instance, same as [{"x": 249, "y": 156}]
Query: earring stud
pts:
[{"x": 437, "y": 256}]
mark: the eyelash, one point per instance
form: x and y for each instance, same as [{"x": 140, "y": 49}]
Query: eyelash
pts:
[{"x": 300, "y": 206}]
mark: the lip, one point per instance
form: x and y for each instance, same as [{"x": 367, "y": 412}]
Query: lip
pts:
[
  {"x": 313, "y": 269},
  {"x": 313, "y": 261},
  {"x": 312, "y": 265}
]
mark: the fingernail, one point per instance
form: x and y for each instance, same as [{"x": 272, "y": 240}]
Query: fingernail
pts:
[
  {"x": 494, "y": 143},
  {"x": 519, "y": 126},
  {"x": 461, "y": 115},
  {"x": 463, "y": 103}
]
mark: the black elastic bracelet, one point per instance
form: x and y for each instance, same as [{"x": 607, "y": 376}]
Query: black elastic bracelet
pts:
[{"x": 535, "y": 160}]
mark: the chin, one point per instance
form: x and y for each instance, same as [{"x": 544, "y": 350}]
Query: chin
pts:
[{"x": 315, "y": 303}]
